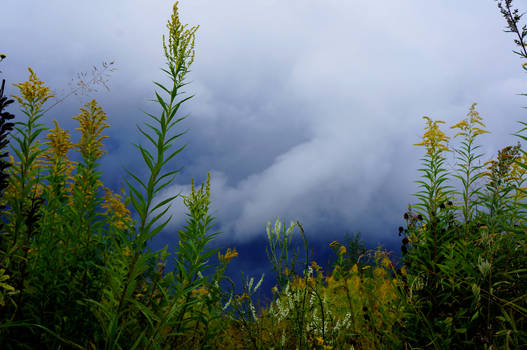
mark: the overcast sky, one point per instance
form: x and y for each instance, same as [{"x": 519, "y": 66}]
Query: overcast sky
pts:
[{"x": 307, "y": 110}]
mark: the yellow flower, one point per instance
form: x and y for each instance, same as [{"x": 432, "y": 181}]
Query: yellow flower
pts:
[
  {"x": 127, "y": 251},
  {"x": 467, "y": 125},
  {"x": 378, "y": 272},
  {"x": 315, "y": 266},
  {"x": 32, "y": 92},
  {"x": 386, "y": 262},
  {"x": 229, "y": 255},
  {"x": 242, "y": 297},
  {"x": 334, "y": 244},
  {"x": 179, "y": 50},
  {"x": 319, "y": 341},
  {"x": 463, "y": 125},
  {"x": 342, "y": 250},
  {"x": 92, "y": 122},
  {"x": 200, "y": 291},
  {"x": 434, "y": 139},
  {"x": 298, "y": 283},
  {"x": 354, "y": 283},
  {"x": 120, "y": 216},
  {"x": 59, "y": 142}
]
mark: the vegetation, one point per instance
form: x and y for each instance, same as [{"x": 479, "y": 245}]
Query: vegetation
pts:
[{"x": 76, "y": 270}]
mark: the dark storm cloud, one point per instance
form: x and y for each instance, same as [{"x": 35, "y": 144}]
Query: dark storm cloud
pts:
[{"x": 306, "y": 110}]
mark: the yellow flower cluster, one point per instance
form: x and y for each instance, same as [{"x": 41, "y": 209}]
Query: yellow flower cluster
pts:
[
  {"x": 116, "y": 210},
  {"x": 200, "y": 291},
  {"x": 229, "y": 255},
  {"x": 59, "y": 142},
  {"x": 56, "y": 155},
  {"x": 92, "y": 122},
  {"x": 334, "y": 244},
  {"x": 319, "y": 341},
  {"x": 467, "y": 126},
  {"x": 32, "y": 92},
  {"x": 434, "y": 139},
  {"x": 179, "y": 50}
]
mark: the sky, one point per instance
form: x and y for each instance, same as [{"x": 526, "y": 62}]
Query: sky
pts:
[{"x": 304, "y": 110}]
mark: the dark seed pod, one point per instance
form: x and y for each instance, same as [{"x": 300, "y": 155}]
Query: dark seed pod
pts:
[
  {"x": 405, "y": 240},
  {"x": 405, "y": 216},
  {"x": 404, "y": 249},
  {"x": 401, "y": 229},
  {"x": 419, "y": 217}
]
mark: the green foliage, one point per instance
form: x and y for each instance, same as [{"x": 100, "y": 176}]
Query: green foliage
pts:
[
  {"x": 77, "y": 271},
  {"x": 461, "y": 269}
]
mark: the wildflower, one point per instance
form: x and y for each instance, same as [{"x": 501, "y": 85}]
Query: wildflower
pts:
[
  {"x": 116, "y": 210},
  {"x": 342, "y": 250},
  {"x": 127, "y": 251},
  {"x": 319, "y": 341},
  {"x": 386, "y": 262},
  {"x": 200, "y": 291},
  {"x": 298, "y": 283},
  {"x": 315, "y": 266},
  {"x": 229, "y": 255},
  {"x": 179, "y": 50},
  {"x": 33, "y": 93},
  {"x": 59, "y": 140},
  {"x": 434, "y": 139},
  {"x": 242, "y": 297},
  {"x": 334, "y": 244},
  {"x": 92, "y": 122}
]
